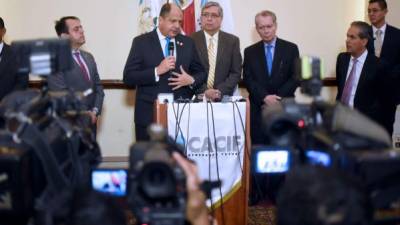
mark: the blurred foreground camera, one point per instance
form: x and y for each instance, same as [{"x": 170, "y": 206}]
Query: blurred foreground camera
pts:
[
  {"x": 157, "y": 185},
  {"x": 46, "y": 142},
  {"x": 329, "y": 135}
]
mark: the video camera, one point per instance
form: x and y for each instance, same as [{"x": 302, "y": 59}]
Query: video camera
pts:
[
  {"x": 154, "y": 187},
  {"x": 328, "y": 135},
  {"x": 46, "y": 140}
]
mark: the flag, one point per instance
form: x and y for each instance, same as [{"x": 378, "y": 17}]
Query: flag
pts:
[
  {"x": 189, "y": 18},
  {"x": 149, "y": 10}
]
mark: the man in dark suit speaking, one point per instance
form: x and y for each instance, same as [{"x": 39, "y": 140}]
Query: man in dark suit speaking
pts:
[
  {"x": 219, "y": 53},
  {"x": 83, "y": 76},
  {"x": 9, "y": 80},
  {"x": 162, "y": 61},
  {"x": 268, "y": 71},
  {"x": 359, "y": 74}
]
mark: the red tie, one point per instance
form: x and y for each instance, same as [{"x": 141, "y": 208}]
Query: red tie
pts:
[
  {"x": 82, "y": 66},
  {"x": 345, "y": 99}
]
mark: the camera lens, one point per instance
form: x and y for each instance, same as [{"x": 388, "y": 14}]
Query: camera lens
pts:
[{"x": 157, "y": 181}]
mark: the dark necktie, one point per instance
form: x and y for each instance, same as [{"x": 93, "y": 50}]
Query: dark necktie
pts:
[
  {"x": 82, "y": 66},
  {"x": 269, "y": 59},
  {"x": 345, "y": 99}
]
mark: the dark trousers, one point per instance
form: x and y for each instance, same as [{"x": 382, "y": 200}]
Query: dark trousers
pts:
[{"x": 141, "y": 133}]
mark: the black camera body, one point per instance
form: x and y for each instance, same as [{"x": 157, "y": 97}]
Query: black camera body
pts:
[
  {"x": 156, "y": 184},
  {"x": 329, "y": 135}
]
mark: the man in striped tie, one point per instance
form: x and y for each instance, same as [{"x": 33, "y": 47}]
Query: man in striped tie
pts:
[
  {"x": 219, "y": 53},
  {"x": 83, "y": 77},
  {"x": 359, "y": 74}
]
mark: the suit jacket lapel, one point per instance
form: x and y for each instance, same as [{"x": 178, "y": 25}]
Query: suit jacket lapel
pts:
[
  {"x": 88, "y": 64},
  {"x": 262, "y": 61},
  {"x": 343, "y": 71},
  {"x": 364, "y": 75},
  {"x": 203, "y": 49},
  {"x": 4, "y": 58},
  {"x": 276, "y": 58},
  {"x": 220, "y": 51},
  {"x": 155, "y": 43},
  {"x": 180, "y": 53},
  {"x": 386, "y": 40}
]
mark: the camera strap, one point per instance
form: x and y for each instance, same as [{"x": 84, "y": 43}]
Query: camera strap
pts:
[{"x": 34, "y": 138}]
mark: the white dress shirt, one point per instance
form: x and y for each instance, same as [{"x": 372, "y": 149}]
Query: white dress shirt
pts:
[
  {"x": 1, "y": 49},
  {"x": 359, "y": 67},
  {"x": 163, "y": 42},
  {"x": 83, "y": 61},
  {"x": 215, "y": 41},
  {"x": 383, "y": 29}
]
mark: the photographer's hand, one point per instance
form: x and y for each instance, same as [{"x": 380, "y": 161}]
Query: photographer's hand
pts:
[
  {"x": 93, "y": 117},
  {"x": 196, "y": 209}
]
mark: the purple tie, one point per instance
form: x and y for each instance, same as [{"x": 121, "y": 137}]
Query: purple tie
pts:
[
  {"x": 84, "y": 71},
  {"x": 349, "y": 84}
]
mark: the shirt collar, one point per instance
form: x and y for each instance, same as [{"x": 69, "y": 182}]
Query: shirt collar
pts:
[
  {"x": 383, "y": 29},
  {"x": 273, "y": 43},
  {"x": 76, "y": 51},
  {"x": 161, "y": 36},
  {"x": 361, "y": 59},
  {"x": 215, "y": 36}
]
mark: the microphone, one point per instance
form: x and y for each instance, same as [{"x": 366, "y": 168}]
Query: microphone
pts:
[{"x": 171, "y": 48}]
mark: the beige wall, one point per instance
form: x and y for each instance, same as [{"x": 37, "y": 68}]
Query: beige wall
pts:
[{"x": 318, "y": 27}]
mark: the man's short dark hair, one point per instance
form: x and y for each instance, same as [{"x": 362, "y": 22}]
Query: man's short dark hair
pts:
[
  {"x": 321, "y": 196},
  {"x": 363, "y": 28},
  {"x": 61, "y": 25},
  {"x": 166, "y": 9},
  {"x": 382, "y": 3},
  {"x": 1, "y": 23}
]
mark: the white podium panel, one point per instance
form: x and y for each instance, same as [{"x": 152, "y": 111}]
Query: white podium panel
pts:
[{"x": 213, "y": 135}]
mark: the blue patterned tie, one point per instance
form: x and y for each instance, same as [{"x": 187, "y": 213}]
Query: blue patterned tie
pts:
[
  {"x": 269, "y": 58},
  {"x": 166, "y": 51}
]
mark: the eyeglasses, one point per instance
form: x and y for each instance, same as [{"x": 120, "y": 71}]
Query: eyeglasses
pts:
[{"x": 210, "y": 15}]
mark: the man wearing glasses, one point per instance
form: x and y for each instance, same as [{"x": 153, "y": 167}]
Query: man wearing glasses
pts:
[
  {"x": 219, "y": 53},
  {"x": 386, "y": 46}
]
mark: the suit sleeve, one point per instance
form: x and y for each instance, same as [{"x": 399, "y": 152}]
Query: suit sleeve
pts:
[
  {"x": 56, "y": 82},
  {"x": 256, "y": 92},
  {"x": 98, "y": 88},
  {"x": 227, "y": 87},
  {"x": 338, "y": 78},
  {"x": 135, "y": 72},
  {"x": 196, "y": 69},
  {"x": 289, "y": 87},
  {"x": 21, "y": 80}
]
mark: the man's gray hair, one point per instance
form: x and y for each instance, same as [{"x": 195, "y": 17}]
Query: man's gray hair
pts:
[
  {"x": 363, "y": 28},
  {"x": 211, "y": 4},
  {"x": 266, "y": 13}
]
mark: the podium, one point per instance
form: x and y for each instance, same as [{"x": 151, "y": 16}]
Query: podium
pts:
[{"x": 232, "y": 208}]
